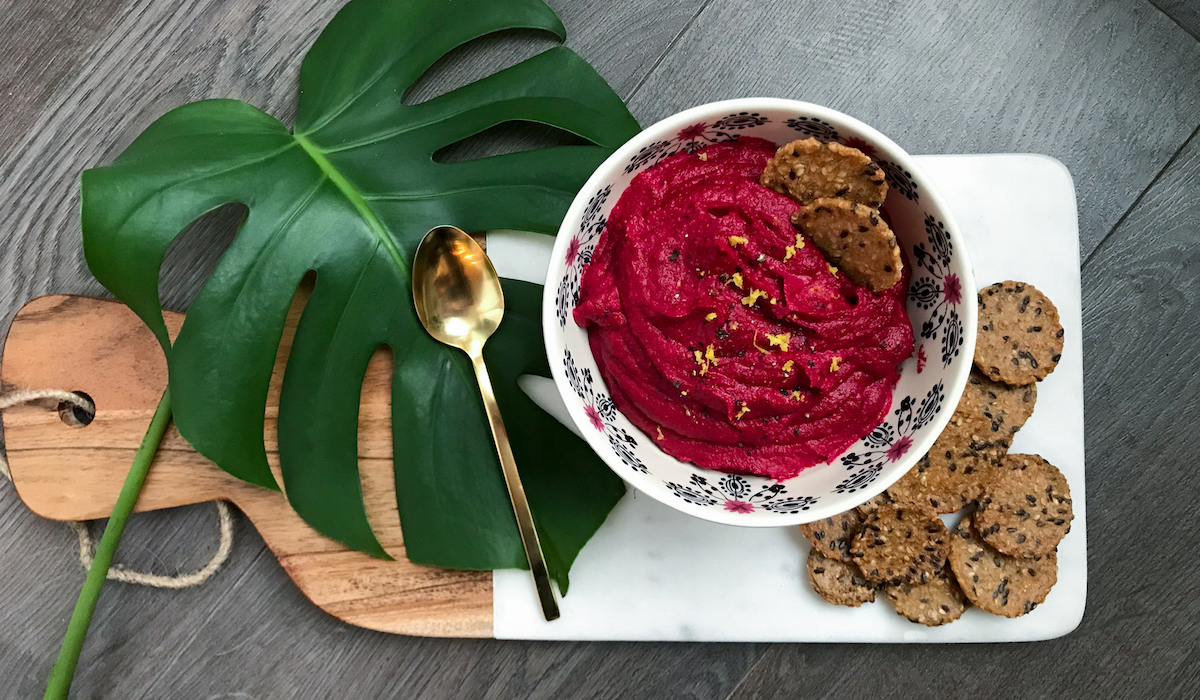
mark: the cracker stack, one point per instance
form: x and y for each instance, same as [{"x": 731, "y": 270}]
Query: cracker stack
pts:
[
  {"x": 1002, "y": 556},
  {"x": 841, "y": 189}
]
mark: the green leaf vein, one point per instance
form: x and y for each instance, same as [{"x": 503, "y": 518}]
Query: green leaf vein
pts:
[{"x": 356, "y": 199}]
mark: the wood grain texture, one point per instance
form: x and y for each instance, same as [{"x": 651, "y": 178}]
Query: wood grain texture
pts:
[
  {"x": 1079, "y": 79},
  {"x": 65, "y": 473},
  {"x": 1185, "y": 12},
  {"x": 1109, "y": 87},
  {"x": 36, "y": 57}
]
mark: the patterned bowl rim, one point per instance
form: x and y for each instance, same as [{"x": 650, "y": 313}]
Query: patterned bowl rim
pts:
[{"x": 956, "y": 373}]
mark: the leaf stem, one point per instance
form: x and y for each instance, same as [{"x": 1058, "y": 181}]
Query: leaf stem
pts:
[{"x": 68, "y": 657}]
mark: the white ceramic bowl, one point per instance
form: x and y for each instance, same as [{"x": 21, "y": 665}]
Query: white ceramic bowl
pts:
[{"x": 941, "y": 306}]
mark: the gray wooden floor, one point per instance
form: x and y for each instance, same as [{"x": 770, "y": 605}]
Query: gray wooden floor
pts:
[{"x": 1110, "y": 87}]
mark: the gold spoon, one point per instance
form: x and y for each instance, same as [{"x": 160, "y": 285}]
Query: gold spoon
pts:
[{"x": 460, "y": 303}]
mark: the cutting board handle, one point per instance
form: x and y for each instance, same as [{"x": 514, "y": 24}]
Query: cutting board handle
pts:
[{"x": 75, "y": 473}]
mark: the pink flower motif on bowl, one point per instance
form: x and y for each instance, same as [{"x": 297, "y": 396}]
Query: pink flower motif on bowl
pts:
[
  {"x": 593, "y": 417},
  {"x": 690, "y": 133},
  {"x": 899, "y": 448},
  {"x": 573, "y": 247},
  {"x": 952, "y": 288}
]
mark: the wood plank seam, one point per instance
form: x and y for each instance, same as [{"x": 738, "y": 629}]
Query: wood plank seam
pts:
[
  {"x": 1172, "y": 17},
  {"x": 670, "y": 46},
  {"x": 1138, "y": 200}
]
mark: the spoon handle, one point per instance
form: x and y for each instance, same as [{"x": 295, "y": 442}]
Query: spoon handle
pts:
[{"x": 529, "y": 536}]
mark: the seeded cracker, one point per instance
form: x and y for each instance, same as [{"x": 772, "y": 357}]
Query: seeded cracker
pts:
[
  {"x": 900, "y": 544},
  {"x": 939, "y": 602},
  {"x": 832, "y": 536},
  {"x": 995, "y": 582},
  {"x": 970, "y": 449},
  {"x": 809, "y": 169},
  {"x": 1026, "y": 510},
  {"x": 854, "y": 238},
  {"x": 1020, "y": 339},
  {"x": 837, "y": 581},
  {"x": 997, "y": 410},
  {"x": 944, "y": 484}
]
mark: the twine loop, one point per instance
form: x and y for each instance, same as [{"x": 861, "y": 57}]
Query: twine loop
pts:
[{"x": 67, "y": 403}]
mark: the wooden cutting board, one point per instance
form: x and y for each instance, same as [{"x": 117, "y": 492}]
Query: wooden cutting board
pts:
[{"x": 68, "y": 473}]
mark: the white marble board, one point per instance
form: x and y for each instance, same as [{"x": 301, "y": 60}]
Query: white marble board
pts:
[{"x": 652, "y": 573}]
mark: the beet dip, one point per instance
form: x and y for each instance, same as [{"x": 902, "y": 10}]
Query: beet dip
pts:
[{"x": 723, "y": 334}]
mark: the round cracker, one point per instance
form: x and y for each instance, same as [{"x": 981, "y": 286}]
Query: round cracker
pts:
[
  {"x": 1026, "y": 509},
  {"x": 838, "y": 582},
  {"x": 937, "y": 602},
  {"x": 1020, "y": 339},
  {"x": 900, "y": 543},
  {"x": 995, "y": 582},
  {"x": 941, "y": 480},
  {"x": 832, "y": 536},
  {"x": 855, "y": 239},
  {"x": 955, "y": 470},
  {"x": 809, "y": 169},
  {"x": 999, "y": 409}
]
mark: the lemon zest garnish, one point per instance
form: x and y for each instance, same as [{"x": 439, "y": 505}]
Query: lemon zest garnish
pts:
[
  {"x": 737, "y": 240},
  {"x": 774, "y": 301},
  {"x": 660, "y": 435},
  {"x": 833, "y": 270},
  {"x": 709, "y": 355},
  {"x": 799, "y": 241},
  {"x": 683, "y": 393},
  {"x": 737, "y": 279},
  {"x": 755, "y": 295},
  {"x": 780, "y": 339},
  {"x": 710, "y": 317},
  {"x": 833, "y": 364},
  {"x": 789, "y": 252},
  {"x": 733, "y": 325},
  {"x": 742, "y": 411},
  {"x": 787, "y": 366},
  {"x": 798, "y": 396}
]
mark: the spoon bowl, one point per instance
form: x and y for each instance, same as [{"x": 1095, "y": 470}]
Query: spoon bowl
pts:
[{"x": 457, "y": 293}]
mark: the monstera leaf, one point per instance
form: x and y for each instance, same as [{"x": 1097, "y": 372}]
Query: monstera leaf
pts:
[{"x": 348, "y": 194}]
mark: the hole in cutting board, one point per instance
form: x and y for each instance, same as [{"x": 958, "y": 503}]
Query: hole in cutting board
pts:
[{"x": 77, "y": 416}]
